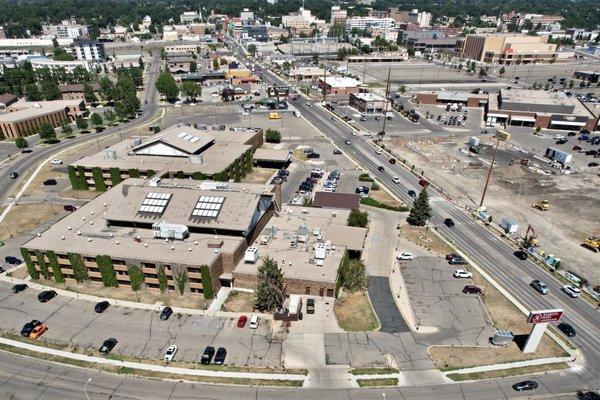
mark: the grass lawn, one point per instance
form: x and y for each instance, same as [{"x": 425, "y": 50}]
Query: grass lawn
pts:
[
  {"x": 374, "y": 371},
  {"x": 354, "y": 312},
  {"x": 377, "y": 382},
  {"x": 504, "y": 373},
  {"x": 238, "y": 302}
]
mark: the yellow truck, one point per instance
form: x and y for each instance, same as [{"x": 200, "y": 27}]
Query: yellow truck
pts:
[{"x": 274, "y": 115}]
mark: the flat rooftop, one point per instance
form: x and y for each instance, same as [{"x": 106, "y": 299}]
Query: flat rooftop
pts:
[
  {"x": 91, "y": 229},
  {"x": 340, "y": 82},
  {"x": 369, "y": 96},
  {"x": 25, "y": 110},
  {"x": 179, "y": 148},
  {"x": 298, "y": 262},
  {"x": 539, "y": 101}
]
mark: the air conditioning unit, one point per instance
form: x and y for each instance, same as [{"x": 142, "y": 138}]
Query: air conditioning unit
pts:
[{"x": 251, "y": 255}]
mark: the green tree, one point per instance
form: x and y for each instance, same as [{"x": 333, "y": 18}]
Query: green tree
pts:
[
  {"x": 107, "y": 271},
  {"x": 79, "y": 269},
  {"x": 501, "y": 71},
  {"x": 193, "y": 66},
  {"x": 207, "y": 287},
  {"x": 162, "y": 278},
  {"x": 21, "y": 143},
  {"x": 252, "y": 49},
  {"x": 190, "y": 89},
  {"x": 110, "y": 116},
  {"x": 115, "y": 176},
  {"x": 81, "y": 123},
  {"x": 33, "y": 92},
  {"x": 31, "y": 270},
  {"x": 136, "y": 277},
  {"x": 41, "y": 260},
  {"x": 358, "y": 218},
  {"x": 215, "y": 64},
  {"x": 55, "y": 267},
  {"x": 421, "y": 210},
  {"x": 98, "y": 179},
  {"x": 165, "y": 84},
  {"x": 272, "y": 136},
  {"x": 269, "y": 293},
  {"x": 108, "y": 90},
  {"x": 181, "y": 279},
  {"x": 46, "y": 132},
  {"x": 352, "y": 274},
  {"x": 96, "y": 119},
  {"x": 50, "y": 91},
  {"x": 66, "y": 129},
  {"x": 88, "y": 94}
]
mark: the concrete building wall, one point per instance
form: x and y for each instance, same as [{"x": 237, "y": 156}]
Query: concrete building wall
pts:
[{"x": 292, "y": 286}]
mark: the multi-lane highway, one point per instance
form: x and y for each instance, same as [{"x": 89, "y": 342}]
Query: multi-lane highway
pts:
[
  {"x": 483, "y": 247},
  {"x": 24, "y": 162}
]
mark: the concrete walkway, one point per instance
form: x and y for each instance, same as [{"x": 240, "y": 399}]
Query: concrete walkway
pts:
[
  {"x": 516, "y": 364},
  {"x": 150, "y": 367}
]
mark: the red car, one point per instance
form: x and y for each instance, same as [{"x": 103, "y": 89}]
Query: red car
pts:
[
  {"x": 242, "y": 321},
  {"x": 451, "y": 256},
  {"x": 423, "y": 183}
]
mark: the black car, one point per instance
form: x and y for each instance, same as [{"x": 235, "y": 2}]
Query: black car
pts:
[
  {"x": 457, "y": 261},
  {"x": 108, "y": 345},
  {"x": 310, "y": 306},
  {"x": 207, "y": 356},
  {"x": 13, "y": 175},
  {"x": 336, "y": 151},
  {"x": 26, "y": 151},
  {"x": 380, "y": 169},
  {"x": 412, "y": 193},
  {"x": 50, "y": 182},
  {"x": 448, "y": 222},
  {"x": 471, "y": 289},
  {"x": 220, "y": 356},
  {"x": 525, "y": 385},
  {"x": 19, "y": 287},
  {"x": 521, "y": 254},
  {"x": 567, "y": 329},
  {"x": 313, "y": 155},
  {"x": 28, "y": 327},
  {"x": 283, "y": 172},
  {"x": 46, "y": 296},
  {"x": 101, "y": 307},
  {"x": 166, "y": 313},
  {"x": 12, "y": 260}
]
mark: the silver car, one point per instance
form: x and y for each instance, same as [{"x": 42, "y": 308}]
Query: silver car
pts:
[{"x": 540, "y": 286}]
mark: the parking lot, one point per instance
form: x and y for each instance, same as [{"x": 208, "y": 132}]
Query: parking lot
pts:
[{"x": 140, "y": 333}]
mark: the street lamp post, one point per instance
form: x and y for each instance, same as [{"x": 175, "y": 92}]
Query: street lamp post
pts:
[{"x": 85, "y": 388}]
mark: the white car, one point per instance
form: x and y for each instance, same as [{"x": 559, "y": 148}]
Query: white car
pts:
[
  {"x": 572, "y": 291},
  {"x": 396, "y": 179},
  {"x": 368, "y": 133},
  {"x": 319, "y": 171},
  {"x": 462, "y": 273},
  {"x": 170, "y": 353},
  {"x": 56, "y": 161},
  {"x": 245, "y": 113},
  {"x": 378, "y": 152},
  {"x": 404, "y": 256}
]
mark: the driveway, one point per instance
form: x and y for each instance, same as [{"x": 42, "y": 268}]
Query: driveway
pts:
[{"x": 384, "y": 305}]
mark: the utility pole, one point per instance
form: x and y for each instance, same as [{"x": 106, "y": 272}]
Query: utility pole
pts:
[
  {"x": 364, "y": 70},
  {"x": 324, "y": 83},
  {"x": 487, "y": 180},
  {"x": 385, "y": 104}
]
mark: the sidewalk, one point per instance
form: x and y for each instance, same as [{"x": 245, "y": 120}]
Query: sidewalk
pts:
[
  {"x": 151, "y": 367},
  {"x": 516, "y": 364}
]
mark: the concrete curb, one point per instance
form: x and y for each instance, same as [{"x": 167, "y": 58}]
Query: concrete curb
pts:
[{"x": 150, "y": 367}]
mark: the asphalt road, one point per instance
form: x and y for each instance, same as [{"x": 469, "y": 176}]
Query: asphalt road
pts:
[
  {"x": 385, "y": 307},
  {"x": 486, "y": 249},
  {"x": 25, "y": 162}
]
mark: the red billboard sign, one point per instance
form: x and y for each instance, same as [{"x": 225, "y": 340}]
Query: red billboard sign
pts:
[{"x": 544, "y": 316}]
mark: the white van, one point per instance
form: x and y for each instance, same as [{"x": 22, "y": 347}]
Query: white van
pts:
[{"x": 254, "y": 321}]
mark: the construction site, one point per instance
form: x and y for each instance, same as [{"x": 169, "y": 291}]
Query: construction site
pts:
[{"x": 524, "y": 189}]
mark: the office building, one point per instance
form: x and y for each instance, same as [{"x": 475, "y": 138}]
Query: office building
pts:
[
  {"x": 363, "y": 23},
  {"x": 24, "y": 118},
  {"x": 67, "y": 29},
  {"x": 508, "y": 48},
  {"x": 189, "y": 17},
  {"x": 89, "y": 50},
  {"x": 338, "y": 16}
]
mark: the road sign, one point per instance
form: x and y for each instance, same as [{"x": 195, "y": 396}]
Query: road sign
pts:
[{"x": 544, "y": 316}]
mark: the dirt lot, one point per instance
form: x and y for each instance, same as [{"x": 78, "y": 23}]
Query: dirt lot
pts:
[
  {"x": 239, "y": 302},
  {"x": 512, "y": 191},
  {"x": 259, "y": 175},
  {"x": 384, "y": 197},
  {"x": 354, "y": 312},
  {"x": 23, "y": 217}
]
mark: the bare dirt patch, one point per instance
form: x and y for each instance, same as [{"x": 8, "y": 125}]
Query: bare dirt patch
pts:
[
  {"x": 23, "y": 217},
  {"x": 504, "y": 373},
  {"x": 354, "y": 312},
  {"x": 69, "y": 193},
  {"x": 424, "y": 237},
  {"x": 239, "y": 302},
  {"x": 384, "y": 197},
  {"x": 259, "y": 175}
]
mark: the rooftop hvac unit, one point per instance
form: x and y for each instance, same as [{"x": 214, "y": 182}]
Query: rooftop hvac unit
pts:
[
  {"x": 137, "y": 142},
  {"x": 316, "y": 231},
  {"x": 196, "y": 159},
  {"x": 155, "y": 182},
  {"x": 164, "y": 230},
  {"x": 320, "y": 251},
  {"x": 302, "y": 233},
  {"x": 212, "y": 185},
  {"x": 251, "y": 255},
  {"x": 109, "y": 154}
]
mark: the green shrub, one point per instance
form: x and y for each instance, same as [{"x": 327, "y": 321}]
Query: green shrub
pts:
[
  {"x": 107, "y": 271},
  {"x": 150, "y": 173},
  {"x": 31, "y": 270},
  {"x": 352, "y": 274},
  {"x": 162, "y": 278},
  {"x": 82, "y": 179},
  {"x": 136, "y": 277},
  {"x": 181, "y": 279},
  {"x": 179, "y": 175},
  {"x": 42, "y": 264},
  {"x": 199, "y": 176},
  {"x": 77, "y": 264},
  {"x": 207, "y": 287},
  {"x": 55, "y": 267},
  {"x": 115, "y": 176},
  {"x": 272, "y": 136},
  {"x": 365, "y": 178},
  {"x": 368, "y": 201},
  {"x": 249, "y": 156},
  {"x": 98, "y": 179},
  {"x": 358, "y": 218},
  {"x": 134, "y": 173}
]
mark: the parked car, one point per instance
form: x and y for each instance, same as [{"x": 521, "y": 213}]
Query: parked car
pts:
[
  {"x": 313, "y": 155},
  {"x": 567, "y": 329},
  {"x": 26, "y": 151},
  {"x": 593, "y": 164},
  {"x": 50, "y": 182},
  {"x": 13, "y": 175},
  {"x": 242, "y": 321},
  {"x": 462, "y": 274},
  {"x": 404, "y": 256},
  {"x": 310, "y": 306},
  {"x": 540, "y": 286},
  {"x": 166, "y": 313},
  {"x": 19, "y": 287},
  {"x": 451, "y": 256},
  {"x": 38, "y": 331},
  {"x": 101, "y": 306},
  {"x": 28, "y": 327},
  {"x": 337, "y": 151},
  {"x": 69, "y": 207},
  {"x": 471, "y": 289},
  {"x": 108, "y": 345},
  {"x": 220, "y": 356},
  {"x": 457, "y": 261},
  {"x": 12, "y": 260},
  {"x": 56, "y": 161},
  {"x": 254, "y": 321},
  {"x": 448, "y": 222},
  {"x": 521, "y": 254},
  {"x": 525, "y": 385},
  {"x": 170, "y": 353},
  {"x": 46, "y": 296},
  {"x": 207, "y": 355},
  {"x": 572, "y": 291},
  {"x": 392, "y": 161}
]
